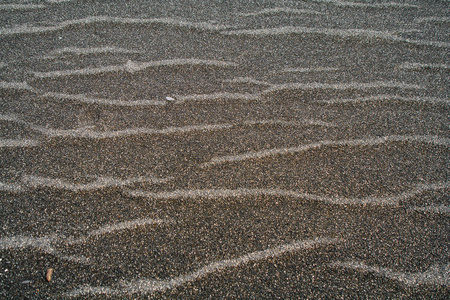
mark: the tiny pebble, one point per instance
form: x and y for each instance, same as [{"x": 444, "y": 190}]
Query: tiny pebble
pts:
[
  {"x": 48, "y": 275},
  {"x": 26, "y": 282},
  {"x": 170, "y": 99}
]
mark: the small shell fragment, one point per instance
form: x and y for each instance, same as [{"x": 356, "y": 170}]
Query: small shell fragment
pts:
[
  {"x": 171, "y": 99},
  {"x": 48, "y": 275}
]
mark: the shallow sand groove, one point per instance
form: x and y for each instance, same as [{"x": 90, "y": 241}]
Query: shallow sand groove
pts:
[{"x": 226, "y": 150}]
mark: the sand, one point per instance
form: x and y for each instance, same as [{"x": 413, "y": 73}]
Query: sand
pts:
[{"x": 235, "y": 150}]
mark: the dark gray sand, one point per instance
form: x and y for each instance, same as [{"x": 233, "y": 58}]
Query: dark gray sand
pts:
[{"x": 225, "y": 149}]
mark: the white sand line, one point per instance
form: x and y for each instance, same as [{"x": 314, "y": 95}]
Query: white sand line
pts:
[
  {"x": 12, "y": 7},
  {"x": 307, "y": 70},
  {"x": 305, "y": 122},
  {"x": 126, "y": 225},
  {"x": 12, "y": 187},
  {"x": 10, "y": 85},
  {"x": 91, "y": 50},
  {"x": 436, "y": 140},
  {"x": 367, "y": 5},
  {"x": 132, "y": 67},
  {"x": 280, "y": 10},
  {"x": 422, "y": 42},
  {"x": 339, "y": 86},
  {"x": 343, "y": 33},
  {"x": 388, "y": 97},
  {"x": 18, "y": 143},
  {"x": 218, "y": 96},
  {"x": 10, "y": 118},
  {"x": 88, "y": 133},
  {"x": 419, "y": 66},
  {"x": 21, "y": 242},
  {"x": 103, "y": 101},
  {"x": 26, "y": 29},
  {"x": 390, "y": 200},
  {"x": 441, "y": 209},
  {"x": 111, "y": 228},
  {"x": 248, "y": 80},
  {"x": 47, "y": 244},
  {"x": 15, "y": 119},
  {"x": 58, "y": 1},
  {"x": 151, "y": 286},
  {"x": 99, "y": 184},
  {"x": 80, "y": 259},
  {"x": 44, "y": 244},
  {"x": 312, "y": 30},
  {"x": 433, "y": 20},
  {"x": 438, "y": 274}
]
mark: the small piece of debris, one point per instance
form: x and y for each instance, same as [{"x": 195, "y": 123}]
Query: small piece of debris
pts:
[
  {"x": 48, "y": 275},
  {"x": 170, "y": 99},
  {"x": 26, "y": 282}
]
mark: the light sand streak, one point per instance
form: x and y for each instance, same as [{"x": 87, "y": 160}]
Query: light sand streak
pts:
[
  {"x": 431, "y": 139},
  {"x": 20, "y": 143},
  {"x": 342, "y": 33},
  {"x": 99, "y": 184},
  {"x": 387, "y": 97},
  {"x": 132, "y": 67},
  {"x": 103, "y": 101},
  {"x": 280, "y": 10},
  {"x": 438, "y": 274},
  {"x": 26, "y": 29},
  {"x": 389, "y": 200},
  {"x": 149, "y": 286}
]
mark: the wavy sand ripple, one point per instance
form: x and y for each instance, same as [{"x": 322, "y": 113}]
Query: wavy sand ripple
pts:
[
  {"x": 92, "y": 134},
  {"x": 388, "y": 97},
  {"x": 367, "y": 34},
  {"x": 280, "y": 10},
  {"x": 27, "y": 29},
  {"x": 437, "y": 209},
  {"x": 435, "y": 140},
  {"x": 18, "y": 143},
  {"x": 49, "y": 244},
  {"x": 131, "y": 67},
  {"x": 89, "y": 133},
  {"x": 13, "y": 7},
  {"x": 44, "y": 244},
  {"x": 419, "y": 66},
  {"x": 15, "y": 86},
  {"x": 243, "y": 193},
  {"x": 248, "y": 80},
  {"x": 111, "y": 228},
  {"x": 103, "y": 101},
  {"x": 308, "y": 70},
  {"x": 149, "y": 286},
  {"x": 99, "y": 184},
  {"x": 219, "y": 96},
  {"x": 433, "y": 20},
  {"x": 438, "y": 274},
  {"x": 339, "y": 86},
  {"x": 12, "y": 187},
  {"x": 367, "y": 5}
]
